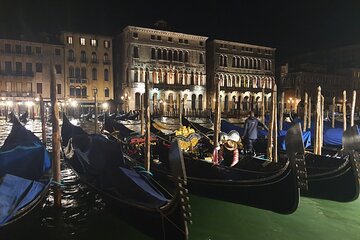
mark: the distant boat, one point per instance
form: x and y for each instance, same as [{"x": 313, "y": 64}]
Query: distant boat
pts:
[{"x": 25, "y": 177}]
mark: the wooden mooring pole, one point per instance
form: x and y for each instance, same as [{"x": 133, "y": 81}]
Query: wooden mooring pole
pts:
[
  {"x": 305, "y": 112},
  {"x": 281, "y": 117},
  {"x": 275, "y": 135},
  {"x": 309, "y": 113},
  {"x": 353, "y": 109},
  {"x": 333, "y": 113},
  {"x": 43, "y": 123},
  {"x": 142, "y": 114},
  {"x": 55, "y": 138},
  {"x": 344, "y": 109},
  {"x": 147, "y": 122}
]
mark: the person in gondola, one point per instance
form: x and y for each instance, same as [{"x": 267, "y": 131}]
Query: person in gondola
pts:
[
  {"x": 251, "y": 132},
  {"x": 230, "y": 146}
]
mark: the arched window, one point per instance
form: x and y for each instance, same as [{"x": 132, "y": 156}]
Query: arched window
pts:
[
  {"x": 170, "y": 55},
  {"x": 192, "y": 81},
  {"x": 71, "y": 55},
  {"x": 83, "y": 56},
  {"x": 200, "y": 102},
  {"x": 238, "y": 62},
  {"x": 72, "y": 91},
  {"x": 159, "y": 53},
  {"x": 83, "y": 73},
  {"x": 186, "y": 57},
  {"x": 176, "y": 56},
  {"x": 221, "y": 60},
  {"x": 77, "y": 72},
  {"x": 106, "y": 92},
  {"x": 136, "y": 52},
  {"x": 226, "y": 103},
  {"x": 78, "y": 91},
  {"x": 84, "y": 91},
  {"x": 164, "y": 55},
  {"x": 225, "y": 61},
  {"x": 71, "y": 72},
  {"x": 233, "y": 62},
  {"x": 153, "y": 53},
  {"x": 193, "y": 102},
  {"x": 93, "y": 57},
  {"x": 106, "y": 57},
  {"x": 94, "y": 74},
  {"x": 137, "y": 101},
  {"x": 180, "y": 56},
  {"x": 106, "y": 75},
  {"x": 201, "y": 58}
]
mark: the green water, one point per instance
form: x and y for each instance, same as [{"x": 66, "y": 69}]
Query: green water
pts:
[{"x": 314, "y": 219}]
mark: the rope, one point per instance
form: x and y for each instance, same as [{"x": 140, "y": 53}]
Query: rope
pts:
[{"x": 59, "y": 184}]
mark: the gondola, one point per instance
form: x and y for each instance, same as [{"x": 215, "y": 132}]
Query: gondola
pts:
[
  {"x": 253, "y": 182},
  {"x": 161, "y": 211},
  {"x": 332, "y": 177},
  {"x": 25, "y": 177}
]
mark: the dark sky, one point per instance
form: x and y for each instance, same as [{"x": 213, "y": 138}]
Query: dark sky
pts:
[{"x": 290, "y": 26}]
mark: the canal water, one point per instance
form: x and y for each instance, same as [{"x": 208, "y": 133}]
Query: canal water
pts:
[{"x": 84, "y": 216}]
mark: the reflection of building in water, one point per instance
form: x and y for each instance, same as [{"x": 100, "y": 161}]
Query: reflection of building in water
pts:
[
  {"x": 173, "y": 62},
  {"x": 243, "y": 70}
]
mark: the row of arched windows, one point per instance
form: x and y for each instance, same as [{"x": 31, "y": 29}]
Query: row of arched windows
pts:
[
  {"x": 83, "y": 56},
  {"x": 173, "y": 55},
  {"x": 81, "y": 73},
  {"x": 170, "y": 77},
  {"x": 244, "y": 62},
  {"x": 245, "y": 81}
]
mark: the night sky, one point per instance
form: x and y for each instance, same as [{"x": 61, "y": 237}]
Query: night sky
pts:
[{"x": 290, "y": 26}]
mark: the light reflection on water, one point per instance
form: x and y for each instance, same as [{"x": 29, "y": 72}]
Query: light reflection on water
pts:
[{"x": 84, "y": 215}]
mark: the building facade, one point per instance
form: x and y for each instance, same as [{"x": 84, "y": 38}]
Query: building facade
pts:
[
  {"x": 173, "y": 62},
  {"x": 88, "y": 68},
  {"x": 243, "y": 71},
  {"x": 296, "y": 80},
  {"x": 25, "y": 73}
]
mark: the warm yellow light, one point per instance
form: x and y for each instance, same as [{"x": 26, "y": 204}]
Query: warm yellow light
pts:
[
  {"x": 105, "y": 105},
  {"x": 29, "y": 103},
  {"x": 73, "y": 104}
]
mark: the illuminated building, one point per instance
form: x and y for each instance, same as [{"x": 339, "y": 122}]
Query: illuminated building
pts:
[
  {"x": 173, "y": 62},
  {"x": 243, "y": 70},
  {"x": 88, "y": 67}
]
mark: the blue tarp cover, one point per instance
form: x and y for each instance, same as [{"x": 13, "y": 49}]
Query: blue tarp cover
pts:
[{"x": 15, "y": 193}]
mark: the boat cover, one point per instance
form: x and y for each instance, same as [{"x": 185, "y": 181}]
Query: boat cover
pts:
[{"x": 15, "y": 193}]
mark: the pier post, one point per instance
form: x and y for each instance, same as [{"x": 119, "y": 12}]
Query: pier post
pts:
[
  {"x": 353, "y": 108},
  {"x": 309, "y": 113},
  {"x": 281, "y": 117},
  {"x": 305, "y": 112},
  {"x": 333, "y": 113},
  {"x": 55, "y": 138},
  {"x": 42, "y": 116},
  {"x": 147, "y": 122},
  {"x": 344, "y": 109},
  {"x": 142, "y": 99}
]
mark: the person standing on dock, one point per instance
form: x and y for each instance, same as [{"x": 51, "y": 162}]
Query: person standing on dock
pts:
[{"x": 251, "y": 132}]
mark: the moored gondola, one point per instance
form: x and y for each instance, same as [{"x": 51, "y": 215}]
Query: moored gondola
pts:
[
  {"x": 254, "y": 182},
  {"x": 332, "y": 177},
  {"x": 161, "y": 211},
  {"x": 25, "y": 177}
]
